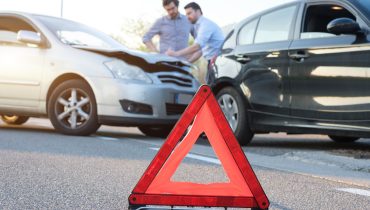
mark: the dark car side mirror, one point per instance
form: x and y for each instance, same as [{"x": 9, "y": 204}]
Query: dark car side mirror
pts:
[{"x": 343, "y": 26}]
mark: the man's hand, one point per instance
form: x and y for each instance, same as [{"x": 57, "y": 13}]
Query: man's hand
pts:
[
  {"x": 189, "y": 51},
  {"x": 170, "y": 52},
  {"x": 151, "y": 46}
]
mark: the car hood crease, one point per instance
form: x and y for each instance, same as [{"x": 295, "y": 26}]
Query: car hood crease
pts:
[{"x": 150, "y": 63}]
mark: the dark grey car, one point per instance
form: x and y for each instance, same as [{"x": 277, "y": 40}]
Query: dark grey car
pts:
[{"x": 303, "y": 67}]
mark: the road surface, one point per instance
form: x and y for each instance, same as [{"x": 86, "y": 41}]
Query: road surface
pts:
[{"x": 41, "y": 169}]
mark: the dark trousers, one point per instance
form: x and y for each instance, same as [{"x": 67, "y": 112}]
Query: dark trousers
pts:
[{"x": 210, "y": 76}]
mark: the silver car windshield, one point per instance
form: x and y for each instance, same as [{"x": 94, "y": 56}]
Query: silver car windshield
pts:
[{"x": 79, "y": 35}]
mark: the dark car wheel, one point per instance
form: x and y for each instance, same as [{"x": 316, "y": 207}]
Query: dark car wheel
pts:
[
  {"x": 157, "y": 131},
  {"x": 14, "y": 119},
  {"x": 235, "y": 110},
  {"x": 343, "y": 139},
  {"x": 72, "y": 109}
]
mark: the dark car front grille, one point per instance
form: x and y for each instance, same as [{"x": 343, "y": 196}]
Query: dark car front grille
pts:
[
  {"x": 180, "y": 81},
  {"x": 175, "y": 109}
]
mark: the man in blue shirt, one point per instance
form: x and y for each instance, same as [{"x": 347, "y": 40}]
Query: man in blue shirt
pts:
[
  {"x": 208, "y": 35},
  {"x": 173, "y": 30},
  {"x": 208, "y": 39}
]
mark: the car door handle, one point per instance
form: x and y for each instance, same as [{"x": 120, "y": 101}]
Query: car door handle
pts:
[
  {"x": 243, "y": 58},
  {"x": 299, "y": 56}
]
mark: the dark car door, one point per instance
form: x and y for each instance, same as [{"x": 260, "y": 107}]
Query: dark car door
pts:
[
  {"x": 329, "y": 74},
  {"x": 263, "y": 52}
]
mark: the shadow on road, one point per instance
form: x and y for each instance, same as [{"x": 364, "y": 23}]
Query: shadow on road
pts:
[
  {"x": 48, "y": 130},
  {"x": 34, "y": 140},
  {"x": 272, "y": 145},
  {"x": 33, "y": 129}
]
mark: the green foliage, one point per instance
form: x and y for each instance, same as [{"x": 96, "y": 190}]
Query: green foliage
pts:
[{"x": 132, "y": 32}]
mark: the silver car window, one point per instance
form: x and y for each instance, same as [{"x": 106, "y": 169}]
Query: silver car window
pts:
[{"x": 9, "y": 27}]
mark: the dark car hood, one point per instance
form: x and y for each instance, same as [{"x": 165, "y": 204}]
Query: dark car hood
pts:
[{"x": 149, "y": 62}]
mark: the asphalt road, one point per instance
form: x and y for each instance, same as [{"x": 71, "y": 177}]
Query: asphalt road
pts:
[{"x": 41, "y": 169}]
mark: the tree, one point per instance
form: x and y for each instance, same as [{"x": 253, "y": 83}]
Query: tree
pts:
[{"x": 132, "y": 32}]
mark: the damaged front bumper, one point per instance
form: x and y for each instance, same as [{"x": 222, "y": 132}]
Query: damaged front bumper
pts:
[{"x": 130, "y": 104}]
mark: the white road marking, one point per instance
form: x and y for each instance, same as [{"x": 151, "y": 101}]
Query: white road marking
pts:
[
  {"x": 337, "y": 173},
  {"x": 198, "y": 157},
  {"x": 355, "y": 191},
  {"x": 107, "y": 138},
  {"x": 216, "y": 161}
]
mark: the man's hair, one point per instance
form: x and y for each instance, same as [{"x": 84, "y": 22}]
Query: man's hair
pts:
[
  {"x": 167, "y": 2},
  {"x": 194, "y": 6}
]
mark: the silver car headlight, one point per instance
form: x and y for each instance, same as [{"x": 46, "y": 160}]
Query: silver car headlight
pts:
[{"x": 122, "y": 70}]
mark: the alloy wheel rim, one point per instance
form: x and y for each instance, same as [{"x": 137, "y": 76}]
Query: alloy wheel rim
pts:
[
  {"x": 10, "y": 117},
  {"x": 230, "y": 109},
  {"x": 73, "y": 108}
]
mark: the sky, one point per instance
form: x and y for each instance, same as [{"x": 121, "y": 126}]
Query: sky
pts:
[{"x": 109, "y": 15}]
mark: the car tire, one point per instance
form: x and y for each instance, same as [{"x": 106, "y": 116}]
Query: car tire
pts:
[
  {"x": 14, "y": 119},
  {"x": 343, "y": 139},
  {"x": 72, "y": 109},
  {"x": 156, "y": 131},
  {"x": 235, "y": 109}
]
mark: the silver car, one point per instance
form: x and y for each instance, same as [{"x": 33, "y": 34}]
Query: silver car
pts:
[{"x": 81, "y": 78}]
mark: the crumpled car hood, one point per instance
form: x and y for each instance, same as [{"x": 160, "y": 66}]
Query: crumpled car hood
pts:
[
  {"x": 155, "y": 57},
  {"x": 149, "y": 62}
]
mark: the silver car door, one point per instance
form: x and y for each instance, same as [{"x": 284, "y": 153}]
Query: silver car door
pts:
[{"x": 21, "y": 66}]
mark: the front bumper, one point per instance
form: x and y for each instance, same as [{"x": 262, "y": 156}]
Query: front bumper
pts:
[
  {"x": 160, "y": 102},
  {"x": 129, "y": 121}
]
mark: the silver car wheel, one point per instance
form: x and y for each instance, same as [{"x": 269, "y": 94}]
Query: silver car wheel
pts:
[
  {"x": 230, "y": 108},
  {"x": 14, "y": 119},
  {"x": 73, "y": 108}
]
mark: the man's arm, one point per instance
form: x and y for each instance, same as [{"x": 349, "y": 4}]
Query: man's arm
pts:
[
  {"x": 189, "y": 51},
  {"x": 151, "y": 46},
  {"x": 154, "y": 30},
  {"x": 194, "y": 57}
]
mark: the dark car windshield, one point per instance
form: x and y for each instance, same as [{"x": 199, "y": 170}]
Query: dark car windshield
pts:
[
  {"x": 364, "y": 6},
  {"x": 76, "y": 34}
]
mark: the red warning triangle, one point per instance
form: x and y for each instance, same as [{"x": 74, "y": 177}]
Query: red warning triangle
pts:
[{"x": 204, "y": 115}]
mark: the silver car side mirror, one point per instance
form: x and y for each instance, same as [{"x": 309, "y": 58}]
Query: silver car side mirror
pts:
[{"x": 29, "y": 37}]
